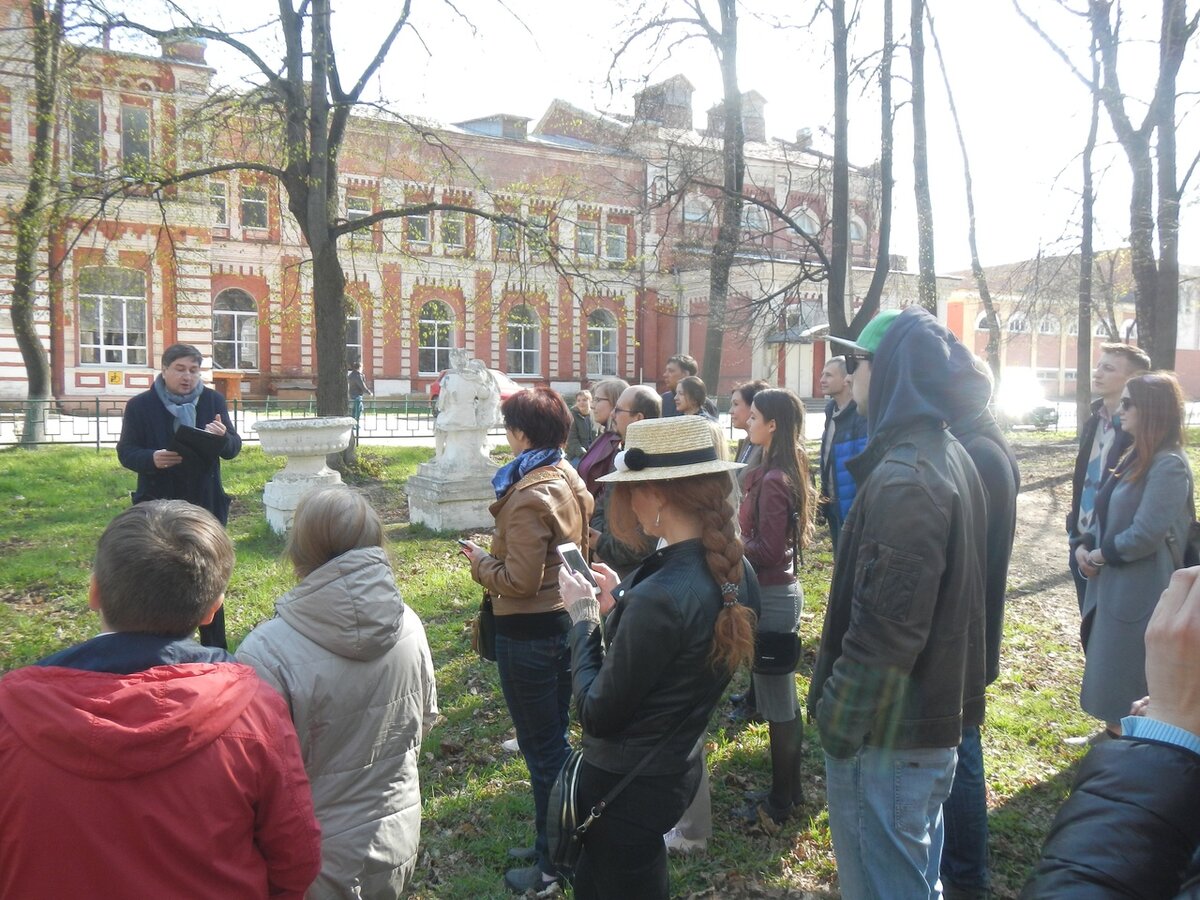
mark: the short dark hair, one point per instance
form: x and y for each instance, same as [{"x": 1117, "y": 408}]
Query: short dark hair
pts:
[
  {"x": 160, "y": 566},
  {"x": 748, "y": 389},
  {"x": 1135, "y": 357},
  {"x": 181, "y": 351},
  {"x": 541, "y": 413},
  {"x": 694, "y": 388},
  {"x": 685, "y": 362},
  {"x": 646, "y": 401}
]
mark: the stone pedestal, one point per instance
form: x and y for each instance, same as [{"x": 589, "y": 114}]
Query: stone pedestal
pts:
[
  {"x": 447, "y": 502},
  {"x": 306, "y": 443}
]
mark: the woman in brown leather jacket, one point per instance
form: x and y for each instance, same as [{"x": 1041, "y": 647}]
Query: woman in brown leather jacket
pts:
[{"x": 541, "y": 503}]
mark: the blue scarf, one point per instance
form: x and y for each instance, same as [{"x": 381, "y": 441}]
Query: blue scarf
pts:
[
  {"x": 526, "y": 462},
  {"x": 181, "y": 406}
]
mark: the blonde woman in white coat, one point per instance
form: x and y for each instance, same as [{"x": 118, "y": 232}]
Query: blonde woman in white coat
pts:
[{"x": 353, "y": 663}]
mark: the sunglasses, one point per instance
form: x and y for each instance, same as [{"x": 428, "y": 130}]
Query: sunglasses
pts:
[
  {"x": 853, "y": 359},
  {"x": 1126, "y": 402}
]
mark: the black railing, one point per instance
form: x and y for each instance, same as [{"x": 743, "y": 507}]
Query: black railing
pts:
[{"x": 98, "y": 422}]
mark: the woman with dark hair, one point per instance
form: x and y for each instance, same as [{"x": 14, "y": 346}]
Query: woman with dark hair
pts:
[
  {"x": 598, "y": 460},
  {"x": 1137, "y": 538},
  {"x": 739, "y": 412},
  {"x": 676, "y": 630},
  {"x": 776, "y": 519},
  {"x": 691, "y": 398},
  {"x": 540, "y": 503},
  {"x": 353, "y": 664}
]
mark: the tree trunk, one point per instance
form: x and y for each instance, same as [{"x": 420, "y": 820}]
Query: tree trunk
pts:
[
  {"x": 729, "y": 229},
  {"x": 839, "y": 215},
  {"x": 1172, "y": 43},
  {"x": 1083, "y": 341},
  {"x": 985, "y": 295},
  {"x": 33, "y": 217},
  {"x": 886, "y": 146},
  {"x": 927, "y": 278}
]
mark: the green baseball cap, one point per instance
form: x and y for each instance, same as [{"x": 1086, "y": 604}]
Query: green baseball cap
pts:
[{"x": 871, "y": 336}]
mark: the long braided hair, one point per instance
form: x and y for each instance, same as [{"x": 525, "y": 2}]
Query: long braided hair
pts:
[{"x": 706, "y": 498}]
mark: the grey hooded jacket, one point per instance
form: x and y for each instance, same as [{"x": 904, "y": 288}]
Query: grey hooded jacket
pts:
[{"x": 354, "y": 666}]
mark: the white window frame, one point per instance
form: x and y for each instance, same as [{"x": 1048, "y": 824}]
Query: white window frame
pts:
[
  {"x": 524, "y": 354},
  {"x": 506, "y": 237},
  {"x": 602, "y": 346},
  {"x": 857, "y": 225},
  {"x": 354, "y": 344},
  {"x": 248, "y": 199},
  {"x": 441, "y": 330},
  {"x": 135, "y": 157},
  {"x": 809, "y": 224},
  {"x": 417, "y": 229},
  {"x": 616, "y": 242},
  {"x": 119, "y": 346},
  {"x": 359, "y": 206},
  {"x": 1018, "y": 324},
  {"x": 243, "y": 330},
  {"x": 981, "y": 322},
  {"x": 218, "y": 199},
  {"x": 86, "y": 111},
  {"x": 453, "y": 219},
  {"x": 587, "y": 238}
]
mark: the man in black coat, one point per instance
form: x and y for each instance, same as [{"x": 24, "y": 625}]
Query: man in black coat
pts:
[{"x": 175, "y": 465}]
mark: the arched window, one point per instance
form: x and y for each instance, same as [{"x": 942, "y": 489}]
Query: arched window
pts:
[
  {"x": 1073, "y": 327},
  {"x": 808, "y": 222},
  {"x": 524, "y": 341},
  {"x": 435, "y": 330},
  {"x": 754, "y": 219},
  {"x": 1018, "y": 324},
  {"x": 981, "y": 323},
  {"x": 235, "y": 330},
  {"x": 601, "y": 344},
  {"x": 353, "y": 333},
  {"x": 858, "y": 231},
  {"x": 1049, "y": 325},
  {"x": 112, "y": 317}
]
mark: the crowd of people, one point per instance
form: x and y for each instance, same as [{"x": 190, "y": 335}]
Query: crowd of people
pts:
[{"x": 291, "y": 769}]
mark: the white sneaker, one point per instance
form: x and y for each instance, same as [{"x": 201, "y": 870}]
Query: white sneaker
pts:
[
  {"x": 510, "y": 746},
  {"x": 680, "y": 844}
]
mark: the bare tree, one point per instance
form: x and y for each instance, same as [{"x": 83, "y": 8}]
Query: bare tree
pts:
[
  {"x": 1083, "y": 341},
  {"x": 47, "y": 27},
  {"x": 985, "y": 295},
  {"x": 927, "y": 275}
]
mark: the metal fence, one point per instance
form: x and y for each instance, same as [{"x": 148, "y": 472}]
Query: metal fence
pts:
[{"x": 97, "y": 422}]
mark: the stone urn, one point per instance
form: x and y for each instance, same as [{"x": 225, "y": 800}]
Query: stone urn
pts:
[{"x": 305, "y": 443}]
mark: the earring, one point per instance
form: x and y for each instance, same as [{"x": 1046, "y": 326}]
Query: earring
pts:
[{"x": 658, "y": 517}]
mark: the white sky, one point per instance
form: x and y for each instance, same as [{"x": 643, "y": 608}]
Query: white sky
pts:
[{"x": 1025, "y": 117}]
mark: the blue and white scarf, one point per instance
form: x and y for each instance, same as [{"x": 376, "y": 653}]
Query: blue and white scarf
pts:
[
  {"x": 181, "y": 406},
  {"x": 528, "y": 460}
]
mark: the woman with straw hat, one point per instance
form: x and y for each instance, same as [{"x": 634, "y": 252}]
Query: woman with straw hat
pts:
[{"x": 646, "y": 684}]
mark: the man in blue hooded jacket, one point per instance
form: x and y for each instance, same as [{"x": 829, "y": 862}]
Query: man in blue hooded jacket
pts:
[{"x": 901, "y": 665}]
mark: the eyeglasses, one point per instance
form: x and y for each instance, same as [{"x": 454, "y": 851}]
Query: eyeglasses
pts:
[
  {"x": 853, "y": 359},
  {"x": 622, "y": 409},
  {"x": 1126, "y": 402}
]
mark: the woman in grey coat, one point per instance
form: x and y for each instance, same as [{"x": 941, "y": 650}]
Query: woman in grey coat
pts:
[
  {"x": 353, "y": 664},
  {"x": 1140, "y": 528}
]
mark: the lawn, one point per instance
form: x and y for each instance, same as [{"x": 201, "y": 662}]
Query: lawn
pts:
[{"x": 477, "y": 801}]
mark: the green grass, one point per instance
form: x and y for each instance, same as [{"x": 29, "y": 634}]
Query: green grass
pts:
[{"x": 477, "y": 800}]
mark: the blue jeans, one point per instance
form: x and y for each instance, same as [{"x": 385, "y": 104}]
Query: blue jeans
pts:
[
  {"x": 535, "y": 676},
  {"x": 965, "y": 855},
  {"x": 885, "y": 817}
]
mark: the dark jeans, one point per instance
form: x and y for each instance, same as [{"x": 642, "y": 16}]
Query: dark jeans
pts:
[
  {"x": 835, "y": 527},
  {"x": 624, "y": 857},
  {"x": 965, "y": 852},
  {"x": 535, "y": 676}
]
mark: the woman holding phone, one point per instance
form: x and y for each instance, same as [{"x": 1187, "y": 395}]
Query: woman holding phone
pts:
[
  {"x": 676, "y": 630},
  {"x": 541, "y": 502}
]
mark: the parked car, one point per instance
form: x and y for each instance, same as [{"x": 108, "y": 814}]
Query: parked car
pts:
[
  {"x": 507, "y": 386},
  {"x": 1021, "y": 401}
]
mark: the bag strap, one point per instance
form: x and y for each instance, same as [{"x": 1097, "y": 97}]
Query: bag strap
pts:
[{"x": 598, "y": 810}]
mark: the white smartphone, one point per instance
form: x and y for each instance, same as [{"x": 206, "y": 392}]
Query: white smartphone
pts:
[{"x": 572, "y": 557}]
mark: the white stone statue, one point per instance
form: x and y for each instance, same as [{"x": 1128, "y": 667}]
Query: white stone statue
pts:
[{"x": 468, "y": 405}]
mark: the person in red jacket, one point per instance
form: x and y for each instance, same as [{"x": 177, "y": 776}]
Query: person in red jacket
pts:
[{"x": 141, "y": 764}]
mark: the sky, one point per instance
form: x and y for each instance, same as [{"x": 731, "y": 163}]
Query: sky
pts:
[{"x": 1024, "y": 115}]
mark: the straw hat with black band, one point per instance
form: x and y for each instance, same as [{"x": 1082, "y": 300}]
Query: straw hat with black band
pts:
[{"x": 661, "y": 449}]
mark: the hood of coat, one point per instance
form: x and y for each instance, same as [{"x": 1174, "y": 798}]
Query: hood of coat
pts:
[
  {"x": 350, "y": 606},
  {"x": 104, "y": 726},
  {"x": 921, "y": 373}
]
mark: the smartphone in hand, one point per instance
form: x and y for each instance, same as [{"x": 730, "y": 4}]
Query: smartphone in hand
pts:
[{"x": 572, "y": 558}]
